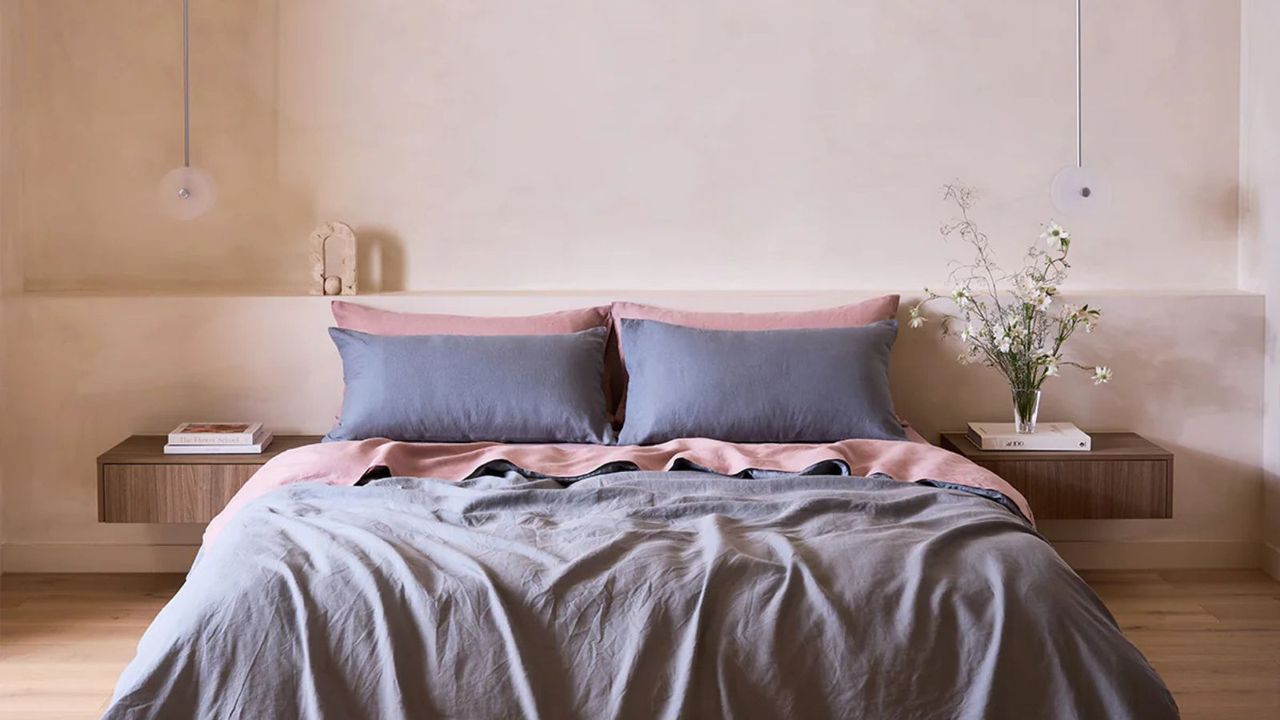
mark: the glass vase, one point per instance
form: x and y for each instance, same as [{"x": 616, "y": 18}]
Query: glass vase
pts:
[{"x": 1026, "y": 406}]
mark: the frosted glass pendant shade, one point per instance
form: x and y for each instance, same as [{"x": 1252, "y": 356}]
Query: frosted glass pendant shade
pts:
[
  {"x": 1076, "y": 191},
  {"x": 186, "y": 193}
]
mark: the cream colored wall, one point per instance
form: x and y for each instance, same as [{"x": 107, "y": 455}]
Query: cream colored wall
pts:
[
  {"x": 566, "y": 144},
  {"x": 511, "y": 157},
  {"x": 97, "y": 112},
  {"x": 6, "y": 267},
  {"x": 1260, "y": 227}
]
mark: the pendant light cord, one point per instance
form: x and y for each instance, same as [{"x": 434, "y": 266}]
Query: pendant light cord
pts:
[
  {"x": 186, "y": 83},
  {"x": 1079, "y": 96}
]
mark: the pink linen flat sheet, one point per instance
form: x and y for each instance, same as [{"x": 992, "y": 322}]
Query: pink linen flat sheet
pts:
[{"x": 343, "y": 463}]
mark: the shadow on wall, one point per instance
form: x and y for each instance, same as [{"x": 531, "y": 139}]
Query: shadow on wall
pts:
[
  {"x": 1188, "y": 367},
  {"x": 1189, "y": 376},
  {"x": 380, "y": 266}
]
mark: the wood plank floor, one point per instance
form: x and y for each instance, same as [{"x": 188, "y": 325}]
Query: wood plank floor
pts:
[{"x": 1214, "y": 635}]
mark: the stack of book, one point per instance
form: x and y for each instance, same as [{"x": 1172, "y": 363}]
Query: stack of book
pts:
[
  {"x": 1048, "y": 436},
  {"x": 218, "y": 439}
]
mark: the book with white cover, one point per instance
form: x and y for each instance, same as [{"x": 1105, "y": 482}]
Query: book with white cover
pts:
[
  {"x": 254, "y": 449},
  {"x": 206, "y": 433},
  {"x": 1048, "y": 436}
]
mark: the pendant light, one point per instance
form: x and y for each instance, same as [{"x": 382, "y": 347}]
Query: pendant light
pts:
[
  {"x": 186, "y": 192},
  {"x": 1075, "y": 190}
]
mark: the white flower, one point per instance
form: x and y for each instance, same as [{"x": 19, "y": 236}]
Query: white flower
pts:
[
  {"x": 1014, "y": 319},
  {"x": 917, "y": 320},
  {"x": 1045, "y": 356},
  {"x": 1056, "y": 237}
]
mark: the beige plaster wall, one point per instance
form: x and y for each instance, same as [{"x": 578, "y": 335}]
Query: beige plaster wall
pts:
[
  {"x": 568, "y": 144},
  {"x": 96, "y": 107},
  {"x": 6, "y": 266},
  {"x": 1260, "y": 228}
]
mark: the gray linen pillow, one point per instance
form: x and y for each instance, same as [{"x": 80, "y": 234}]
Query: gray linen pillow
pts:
[
  {"x": 797, "y": 386},
  {"x": 460, "y": 388}
]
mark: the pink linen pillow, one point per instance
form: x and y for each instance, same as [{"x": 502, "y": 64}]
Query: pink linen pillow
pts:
[
  {"x": 856, "y": 315},
  {"x": 375, "y": 321},
  {"x": 866, "y": 312}
]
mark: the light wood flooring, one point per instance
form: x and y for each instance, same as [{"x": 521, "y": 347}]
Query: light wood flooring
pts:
[{"x": 1214, "y": 635}]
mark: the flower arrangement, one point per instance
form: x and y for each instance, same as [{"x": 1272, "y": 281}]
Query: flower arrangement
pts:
[{"x": 1009, "y": 320}]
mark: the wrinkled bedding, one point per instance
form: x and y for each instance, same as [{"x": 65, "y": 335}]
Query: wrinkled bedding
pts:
[
  {"x": 345, "y": 463},
  {"x": 634, "y": 595}
]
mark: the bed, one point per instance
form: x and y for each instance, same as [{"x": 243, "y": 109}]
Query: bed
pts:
[
  {"x": 622, "y": 592},
  {"x": 763, "y": 538}
]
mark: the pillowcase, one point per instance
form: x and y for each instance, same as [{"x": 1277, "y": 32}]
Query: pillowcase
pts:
[
  {"x": 866, "y": 312},
  {"x": 782, "y": 386},
  {"x": 351, "y": 316},
  {"x": 856, "y": 315},
  {"x": 460, "y": 388}
]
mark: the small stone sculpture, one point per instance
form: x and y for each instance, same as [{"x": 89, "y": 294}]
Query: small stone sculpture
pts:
[{"x": 333, "y": 259}]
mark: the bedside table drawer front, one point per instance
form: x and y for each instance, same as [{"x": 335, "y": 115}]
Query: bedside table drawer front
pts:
[
  {"x": 177, "y": 493},
  {"x": 1083, "y": 489}
]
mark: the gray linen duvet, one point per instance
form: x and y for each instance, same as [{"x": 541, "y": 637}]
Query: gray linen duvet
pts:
[{"x": 634, "y": 595}]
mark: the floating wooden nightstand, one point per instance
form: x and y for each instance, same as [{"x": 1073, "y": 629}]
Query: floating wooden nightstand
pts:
[
  {"x": 1123, "y": 476},
  {"x": 138, "y": 483}
]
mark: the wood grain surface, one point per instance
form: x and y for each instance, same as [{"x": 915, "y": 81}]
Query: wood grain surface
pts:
[{"x": 1123, "y": 476}]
